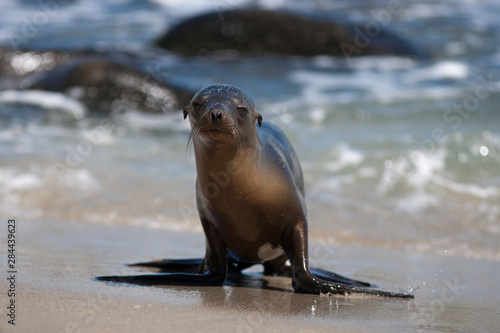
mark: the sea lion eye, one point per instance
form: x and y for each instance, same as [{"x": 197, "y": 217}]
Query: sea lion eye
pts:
[
  {"x": 197, "y": 105},
  {"x": 242, "y": 111}
]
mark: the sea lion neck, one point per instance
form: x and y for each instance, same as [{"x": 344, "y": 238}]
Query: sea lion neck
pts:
[{"x": 226, "y": 157}]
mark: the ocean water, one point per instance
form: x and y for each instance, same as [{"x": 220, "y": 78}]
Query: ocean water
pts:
[{"x": 396, "y": 153}]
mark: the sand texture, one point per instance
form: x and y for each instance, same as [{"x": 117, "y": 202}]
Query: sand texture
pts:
[{"x": 56, "y": 292}]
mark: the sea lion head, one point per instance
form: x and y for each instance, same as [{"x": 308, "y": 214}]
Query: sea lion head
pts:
[{"x": 222, "y": 114}]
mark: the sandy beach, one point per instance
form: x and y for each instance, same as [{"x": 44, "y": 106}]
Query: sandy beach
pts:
[
  {"x": 56, "y": 291},
  {"x": 400, "y": 156}
]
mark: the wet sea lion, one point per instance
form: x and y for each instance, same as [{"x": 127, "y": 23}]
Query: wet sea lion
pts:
[
  {"x": 250, "y": 198},
  {"x": 260, "y": 32}
]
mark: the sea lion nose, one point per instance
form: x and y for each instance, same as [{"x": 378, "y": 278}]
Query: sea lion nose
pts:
[{"x": 216, "y": 115}]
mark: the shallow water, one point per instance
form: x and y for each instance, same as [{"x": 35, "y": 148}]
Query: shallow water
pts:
[{"x": 396, "y": 153}]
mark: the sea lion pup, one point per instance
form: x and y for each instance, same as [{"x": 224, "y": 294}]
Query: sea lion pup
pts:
[{"x": 250, "y": 198}]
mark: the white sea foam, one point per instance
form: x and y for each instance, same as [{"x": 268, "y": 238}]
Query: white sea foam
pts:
[
  {"x": 427, "y": 10},
  {"x": 416, "y": 202},
  {"x": 12, "y": 180},
  {"x": 471, "y": 189},
  {"x": 318, "y": 115},
  {"x": 381, "y": 63},
  {"x": 179, "y": 6},
  {"x": 426, "y": 166},
  {"x": 332, "y": 184},
  {"x": 89, "y": 10},
  {"x": 421, "y": 170},
  {"x": 327, "y": 87},
  {"x": 44, "y": 99},
  {"x": 367, "y": 172},
  {"x": 172, "y": 122},
  {"x": 345, "y": 156},
  {"x": 78, "y": 178},
  {"x": 386, "y": 83},
  {"x": 417, "y": 170},
  {"x": 441, "y": 71}
]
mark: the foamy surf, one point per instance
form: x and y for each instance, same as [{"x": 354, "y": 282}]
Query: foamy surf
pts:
[{"x": 45, "y": 100}]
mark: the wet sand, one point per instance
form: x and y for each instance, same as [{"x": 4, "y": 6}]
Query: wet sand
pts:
[{"x": 56, "y": 292}]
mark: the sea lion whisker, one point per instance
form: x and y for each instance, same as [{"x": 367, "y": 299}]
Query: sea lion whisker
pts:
[
  {"x": 195, "y": 131},
  {"x": 237, "y": 134}
]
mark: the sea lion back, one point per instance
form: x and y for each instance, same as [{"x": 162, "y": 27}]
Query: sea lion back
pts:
[{"x": 282, "y": 145}]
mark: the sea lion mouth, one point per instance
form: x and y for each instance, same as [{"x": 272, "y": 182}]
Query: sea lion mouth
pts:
[
  {"x": 217, "y": 131},
  {"x": 209, "y": 130},
  {"x": 221, "y": 133}
]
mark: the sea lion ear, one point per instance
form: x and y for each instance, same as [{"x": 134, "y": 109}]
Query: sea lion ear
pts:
[
  {"x": 259, "y": 119},
  {"x": 186, "y": 112}
]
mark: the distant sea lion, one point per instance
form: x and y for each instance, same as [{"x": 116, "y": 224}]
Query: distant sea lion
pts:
[
  {"x": 250, "y": 198},
  {"x": 98, "y": 79},
  {"x": 261, "y": 32}
]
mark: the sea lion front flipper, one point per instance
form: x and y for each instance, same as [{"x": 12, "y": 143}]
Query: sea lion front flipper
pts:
[
  {"x": 303, "y": 281},
  {"x": 211, "y": 271},
  {"x": 209, "y": 278},
  {"x": 189, "y": 265}
]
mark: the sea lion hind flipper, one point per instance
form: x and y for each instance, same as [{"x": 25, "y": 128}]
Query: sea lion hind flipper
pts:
[
  {"x": 334, "y": 277},
  {"x": 281, "y": 267},
  {"x": 209, "y": 278},
  {"x": 324, "y": 287},
  {"x": 172, "y": 265}
]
